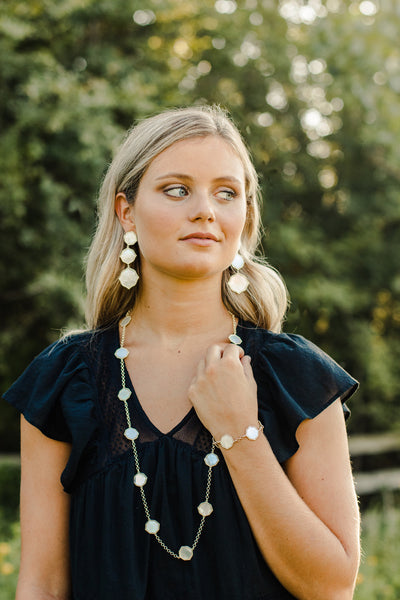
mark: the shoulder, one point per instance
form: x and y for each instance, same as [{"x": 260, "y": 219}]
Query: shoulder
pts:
[
  {"x": 261, "y": 338},
  {"x": 61, "y": 371},
  {"x": 283, "y": 347},
  {"x": 296, "y": 381},
  {"x": 70, "y": 344},
  {"x": 71, "y": 349}
]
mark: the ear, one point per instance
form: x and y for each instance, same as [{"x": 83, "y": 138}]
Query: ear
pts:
[{"x": 124, "y": 212}]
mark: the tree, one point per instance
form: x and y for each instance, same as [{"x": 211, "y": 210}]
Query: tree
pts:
[{"x": 319, "y": 111}]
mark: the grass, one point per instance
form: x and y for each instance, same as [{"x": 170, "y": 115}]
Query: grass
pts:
[
  {"x": 379, "y": 577},
  {"x": 9, "y": 558}
]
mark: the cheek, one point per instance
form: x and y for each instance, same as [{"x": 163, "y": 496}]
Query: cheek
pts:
[
  {"x": 236, "y": 223},
  {"x": 154, "y": 228}
]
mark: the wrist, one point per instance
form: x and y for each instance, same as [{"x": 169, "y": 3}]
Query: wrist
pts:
[{"x": 251, "y": 433}]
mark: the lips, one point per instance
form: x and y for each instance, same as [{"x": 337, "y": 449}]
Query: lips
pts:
[{"x": 200, "y": 236}]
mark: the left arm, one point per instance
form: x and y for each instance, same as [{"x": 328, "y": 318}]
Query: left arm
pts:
[
  {"x": 305, "y": 518},
  {"x": 305, "y": 521}
]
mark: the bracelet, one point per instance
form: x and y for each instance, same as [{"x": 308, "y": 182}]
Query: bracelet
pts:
[{"x": 251, "y": 434}]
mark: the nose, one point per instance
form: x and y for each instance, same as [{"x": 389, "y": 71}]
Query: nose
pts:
[{"x": 202, "y": 208}]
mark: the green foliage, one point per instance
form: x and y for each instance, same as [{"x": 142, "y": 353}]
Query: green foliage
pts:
[
  {"x": 318, "y": 108},
  {"x": 379, "y": 576},
  {"x": 9, "y": 558}
]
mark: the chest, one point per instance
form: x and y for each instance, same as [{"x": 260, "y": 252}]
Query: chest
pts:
[{"x": 161, "y": 381}]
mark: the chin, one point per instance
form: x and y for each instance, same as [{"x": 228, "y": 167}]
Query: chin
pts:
[{"x": 194, "y": 272}]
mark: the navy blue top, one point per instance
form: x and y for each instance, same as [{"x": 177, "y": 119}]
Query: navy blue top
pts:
[{"x": 70, "y": 393}]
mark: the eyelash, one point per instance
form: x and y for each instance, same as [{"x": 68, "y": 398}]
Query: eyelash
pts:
[
  {"x": 175, "y": 187},
  {"x": 232, "y": 193}
]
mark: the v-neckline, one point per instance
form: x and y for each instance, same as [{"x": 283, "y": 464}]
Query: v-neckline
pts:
[
  {"x": 136, "y": 399},
  {"x": 139, "y": 407}
]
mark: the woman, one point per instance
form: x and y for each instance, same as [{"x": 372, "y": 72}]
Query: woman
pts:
[{"x": 224, "y": 472}]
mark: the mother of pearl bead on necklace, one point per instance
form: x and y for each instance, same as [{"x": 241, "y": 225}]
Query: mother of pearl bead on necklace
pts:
[{"x": 205, "y": 508}]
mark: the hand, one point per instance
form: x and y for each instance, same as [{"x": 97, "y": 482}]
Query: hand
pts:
[{"x": 224, "y": 391}]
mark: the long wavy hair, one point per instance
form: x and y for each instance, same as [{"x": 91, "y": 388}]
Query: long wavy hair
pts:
[{"x": 265, "y": 301}]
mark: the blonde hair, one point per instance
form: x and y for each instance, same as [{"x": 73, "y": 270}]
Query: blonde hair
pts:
[{"x": 265, "y": 301}]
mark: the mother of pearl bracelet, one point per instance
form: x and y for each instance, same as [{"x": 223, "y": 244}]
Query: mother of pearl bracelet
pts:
[{"x": 251, "y": 434}]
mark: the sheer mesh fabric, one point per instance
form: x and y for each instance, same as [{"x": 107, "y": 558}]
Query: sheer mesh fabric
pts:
[{"x": 193, "y": 432}]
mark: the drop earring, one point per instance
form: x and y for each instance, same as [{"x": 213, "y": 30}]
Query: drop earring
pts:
[
  {"x": 128, "y": 277},
  {"x": 238, "y": 282}
]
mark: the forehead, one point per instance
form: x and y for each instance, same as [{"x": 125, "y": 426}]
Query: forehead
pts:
[{"x": 211, "y": 156}]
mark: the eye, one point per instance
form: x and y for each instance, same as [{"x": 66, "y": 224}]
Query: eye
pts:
[
  {"x": 226, "y": 194},
  {"x": 176, "y": 191}
]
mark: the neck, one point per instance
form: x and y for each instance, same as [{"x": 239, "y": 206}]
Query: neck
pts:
[{"x": 170, "y": 310}]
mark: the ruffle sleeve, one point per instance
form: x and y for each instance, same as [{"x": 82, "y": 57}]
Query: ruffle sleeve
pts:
[
  {"x": 296, "y": 381},
  {"x": 56, "y": 394}
]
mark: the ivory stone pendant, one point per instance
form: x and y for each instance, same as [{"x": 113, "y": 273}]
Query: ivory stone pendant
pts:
[
  {"x": 140, "y": 479},
  {"x": 238, "y": 261},
  {"x": 130, "y": 238},
  {"x": 211, "y": 459},
  {"x": 227, "y": 441},
  {"x": 128, "y": 278},
  {"x": 125, "y": 321},
  {"x": 124, "y": 394},
  {"x": 252, "y": 433},
  {"x": 127, "y": 256},
  {"x": 235, "y": 339},
  {"x": 185, "y": 553},
  {"x": 152, "y": 526},
  {"x": 205, "y": 509},
  {"x": 238, "y": 283},
  {"x": 131, "y": 433}
]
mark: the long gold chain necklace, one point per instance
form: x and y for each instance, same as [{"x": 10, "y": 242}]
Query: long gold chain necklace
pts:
[{"x": 205, "y": 508}]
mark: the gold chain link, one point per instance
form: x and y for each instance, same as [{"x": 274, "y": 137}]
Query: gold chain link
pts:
[{"x": 136, "y": 457}]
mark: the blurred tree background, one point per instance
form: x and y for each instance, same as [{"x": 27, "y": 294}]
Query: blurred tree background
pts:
[{"x": 314, "y": 87}]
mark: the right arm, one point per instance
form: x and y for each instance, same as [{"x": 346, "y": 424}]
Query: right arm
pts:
[{"x": 44, "y": 571}]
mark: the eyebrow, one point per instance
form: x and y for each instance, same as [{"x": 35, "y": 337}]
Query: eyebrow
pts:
[{"x": 189, "y": 178}]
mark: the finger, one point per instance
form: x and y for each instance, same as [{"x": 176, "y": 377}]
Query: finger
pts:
[
  {"x": 231, "y": 350},
  {"x": 213, "y": 354},
  {"x": 200, "y": 367},
  {"x": 246, "y": 363}
]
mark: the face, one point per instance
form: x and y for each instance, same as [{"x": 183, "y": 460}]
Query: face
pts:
[{"x": 190, "y": 209}]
